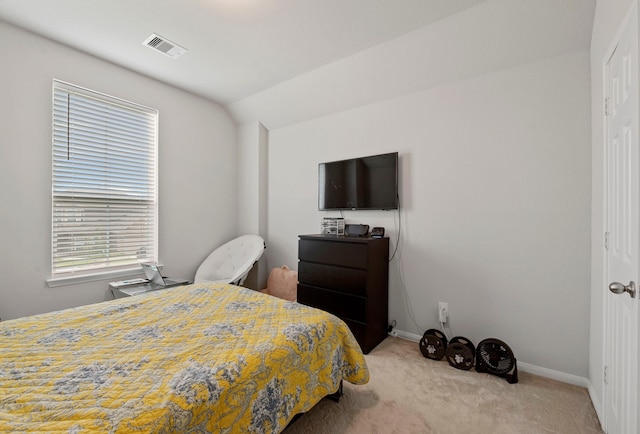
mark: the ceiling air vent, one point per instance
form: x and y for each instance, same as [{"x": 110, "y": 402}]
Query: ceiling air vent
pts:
[{"x": 164, "y": 46}]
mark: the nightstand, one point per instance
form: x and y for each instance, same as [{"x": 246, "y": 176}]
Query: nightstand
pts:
[{"x": 120, "y": 290}]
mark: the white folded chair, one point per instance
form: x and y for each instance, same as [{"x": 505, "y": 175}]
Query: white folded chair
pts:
[{"x": 232, "y": 261}]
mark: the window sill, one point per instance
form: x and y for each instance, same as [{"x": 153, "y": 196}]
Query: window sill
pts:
[{"x": 83, "y": 278}]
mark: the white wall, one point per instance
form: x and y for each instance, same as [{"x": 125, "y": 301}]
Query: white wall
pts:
[
  {"x": 495, "y": 192},
  {"x": 197, "y": 184},
  {"x": 252, "y": 178},
  {"x": 252, "y": 192},
  {"x": 609, "y": 17}
]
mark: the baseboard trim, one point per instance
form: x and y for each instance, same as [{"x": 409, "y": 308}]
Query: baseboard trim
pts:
[
  {"x": 597, "y": 404},
  {"x": 554, "y": 375},
  {"x": 522, "y": 366}
]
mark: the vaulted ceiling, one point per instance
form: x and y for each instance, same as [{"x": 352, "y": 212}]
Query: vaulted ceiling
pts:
[
  {"x": 235, "y": 47},
  {"x": 266, "y": 60}
]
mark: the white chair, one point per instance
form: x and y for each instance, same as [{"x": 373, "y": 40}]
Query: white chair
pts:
[{"x": 232, "y": 261}]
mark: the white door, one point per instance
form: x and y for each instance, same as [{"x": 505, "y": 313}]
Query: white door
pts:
[{"x": 621, "y": 346}]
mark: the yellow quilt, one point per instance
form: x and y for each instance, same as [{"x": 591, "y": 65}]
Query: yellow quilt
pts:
[{"x": 199, "y": 358}]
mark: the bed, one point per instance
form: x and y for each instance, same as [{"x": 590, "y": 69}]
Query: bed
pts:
[{"x": 199, "y": 358}]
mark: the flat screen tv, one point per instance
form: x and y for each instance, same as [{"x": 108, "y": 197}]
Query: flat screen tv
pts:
[{"x": 359, "y": 183}]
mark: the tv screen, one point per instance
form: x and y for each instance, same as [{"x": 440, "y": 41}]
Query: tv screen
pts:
[{"x": 359, "y": 183}]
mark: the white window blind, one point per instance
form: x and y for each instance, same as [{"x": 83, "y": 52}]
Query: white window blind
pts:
[{"x": 104, "y": 214}]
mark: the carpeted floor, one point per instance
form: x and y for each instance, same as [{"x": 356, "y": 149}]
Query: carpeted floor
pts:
[{"x": 408, "y": 393}]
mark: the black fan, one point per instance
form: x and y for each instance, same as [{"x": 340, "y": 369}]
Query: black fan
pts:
[
  {"x": 495, "y": 357},
  {"x": 433, "y": 344},
  {"x": 460, "y": 353}
]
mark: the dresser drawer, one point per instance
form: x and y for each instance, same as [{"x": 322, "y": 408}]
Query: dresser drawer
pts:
[
  {"x": 342, "y": 305},
  {"x": 339, "y": 279},
  {"x": 344, "y": 254}
]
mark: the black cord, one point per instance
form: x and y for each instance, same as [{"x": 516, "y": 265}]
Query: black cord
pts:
[{"x": 399, "y": 231}]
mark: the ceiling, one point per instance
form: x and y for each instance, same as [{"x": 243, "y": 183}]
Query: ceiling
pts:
[{"x": 236, "y": 48}]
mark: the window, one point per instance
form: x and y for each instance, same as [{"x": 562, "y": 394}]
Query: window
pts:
[{"x": 104, "y": 213}]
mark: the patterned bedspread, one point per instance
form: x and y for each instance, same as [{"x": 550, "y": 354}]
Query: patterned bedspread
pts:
[{"x": 200, "y": 358}]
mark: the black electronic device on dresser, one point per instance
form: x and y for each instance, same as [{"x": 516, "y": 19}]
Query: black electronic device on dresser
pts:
[{"x": 348, "y": 277}]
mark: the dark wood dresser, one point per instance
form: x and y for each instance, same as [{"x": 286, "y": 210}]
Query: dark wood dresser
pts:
[{"x": 348, "y": 277}]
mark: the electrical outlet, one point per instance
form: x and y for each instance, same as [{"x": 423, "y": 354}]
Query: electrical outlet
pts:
[{"x": 443, "y": 312}]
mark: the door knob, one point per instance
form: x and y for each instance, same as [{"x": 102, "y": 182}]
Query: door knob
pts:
[{"x": 619, "y": 288}]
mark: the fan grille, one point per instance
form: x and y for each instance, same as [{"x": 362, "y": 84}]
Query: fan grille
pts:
[{"x": 497, "y": 356}]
